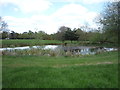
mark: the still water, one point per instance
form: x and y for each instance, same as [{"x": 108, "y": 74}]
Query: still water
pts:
[{"x": 84, "y": 50}]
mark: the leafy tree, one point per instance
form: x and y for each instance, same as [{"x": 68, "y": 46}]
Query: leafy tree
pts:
[
  {"x": 13, "y": 35},
  {"x": 25, "y": 35},
  {"x": 40, "y": 35},
  {"x": 53, "y": 36},
  {"x": 109, "y": 19},
  {"x": 81, "y": 34},
  {"x": 65, "y": 33},
  {"x": 31, "y": 34},
  {"x": 4, "y": 35},
  {"x": 70, "y": 35},
  {"x": 61, "y": 32},
  {"x": 96, "y": 37}
]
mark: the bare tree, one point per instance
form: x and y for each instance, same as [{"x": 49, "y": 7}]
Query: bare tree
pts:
[
  {"x": 3, "y": 25},
  {"x": 3, "y": 28}
]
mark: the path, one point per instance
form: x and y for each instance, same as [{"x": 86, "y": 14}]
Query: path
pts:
[{"x": 85, "y": 64}]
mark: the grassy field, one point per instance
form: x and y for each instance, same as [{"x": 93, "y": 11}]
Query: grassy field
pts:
[
  {"x": 25, "y": 42},
  {"x": 95, "y": 71},
  {"x": 33, "y": 42}
]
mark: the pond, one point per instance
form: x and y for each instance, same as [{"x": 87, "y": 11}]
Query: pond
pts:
[{"x": 83, "y": 50}]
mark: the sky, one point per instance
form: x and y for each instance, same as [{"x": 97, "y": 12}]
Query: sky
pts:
[{"x": 50, "y": 15}]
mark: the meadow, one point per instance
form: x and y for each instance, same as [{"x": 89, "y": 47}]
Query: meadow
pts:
[
  {"x": 34, "y": 42},
  {"x": 93, "y": 71},
  {"x": 28, "y": 42}
]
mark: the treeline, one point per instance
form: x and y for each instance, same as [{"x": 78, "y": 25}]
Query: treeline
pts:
[
  {"x": 26, "y": 35},
  {"x": 64, "y": 33}
]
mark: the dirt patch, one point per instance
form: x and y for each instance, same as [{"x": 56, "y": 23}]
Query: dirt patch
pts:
[
  {"x": 85, "y": 64},
  {"x": 59, "y": 65}
]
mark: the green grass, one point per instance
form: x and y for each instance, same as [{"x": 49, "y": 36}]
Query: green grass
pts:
[
  {"x": 60, "y": 72},
  {"x": 32, "y": 42},
  {"x": 26, "y": 42}
]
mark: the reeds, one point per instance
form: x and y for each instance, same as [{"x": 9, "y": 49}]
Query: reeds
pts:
[{"x": 40, "y": 52}]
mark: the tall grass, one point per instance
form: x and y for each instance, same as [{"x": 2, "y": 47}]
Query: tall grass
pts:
[{"x": 36, "y": 52}]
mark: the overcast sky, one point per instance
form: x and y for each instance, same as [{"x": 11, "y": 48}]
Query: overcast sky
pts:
[{"x": 49, "y": 15}]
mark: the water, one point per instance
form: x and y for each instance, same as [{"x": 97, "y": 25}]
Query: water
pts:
[
  {"x": 51, "y": 47},
  {"x": 84, "y": 50}
]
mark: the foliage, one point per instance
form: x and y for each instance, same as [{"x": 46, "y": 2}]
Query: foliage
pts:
[
  {"x": 4, "y": 35},
  {"x": 13, "y": 35},
  {"x": 97, "y": 37},
  {"x": 81, "y": 34},
  {"x": 110, "y": 21},
  {"x": 70, "y": 35},
  {"x": 65, "y": 33},
  {"x": 60, "y": 34}
]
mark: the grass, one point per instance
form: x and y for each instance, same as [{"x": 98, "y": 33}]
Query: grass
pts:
[
  {"x": 33, "y": 42},
  {"x": 26, "y": 42},
  {"x": 61, "y": 72}
]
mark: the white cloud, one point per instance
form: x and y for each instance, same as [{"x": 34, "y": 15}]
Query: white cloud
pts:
[
  {"x": 29, "y": 6},
  {"x": 34, "y": 5},
  {"x": 74, "y": 15},
  {"x": 19, "y": 24},
  {"x": 71, "y": 15},
  {"x": 71, "y": 9},
  {"x": 16, "y": 9}
]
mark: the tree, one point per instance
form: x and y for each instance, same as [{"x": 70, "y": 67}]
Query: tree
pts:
[
  {"x": 4, "y": 35},
  {"x": 13, "y": 35},
  {"x": 81, "y": 34},
  {"x": 70, "y": 35},
  {"x": 4, "y": 31},
  {"x": 25, "y": 35},
  {"x": 31, "y": 34},
  {"x": 96, "y": 37},
  {"x": 61, "y": 32},
  {"x": 109, "y": 19},
  {"x": 3, "y": 25},
  {"x": 40, "y": 35}
]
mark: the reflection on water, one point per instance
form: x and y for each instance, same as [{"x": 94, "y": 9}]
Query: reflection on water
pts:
[{"x": 84, "y": 50}]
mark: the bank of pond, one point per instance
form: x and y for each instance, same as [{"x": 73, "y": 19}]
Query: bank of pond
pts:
[{"x": 55, "y": 50}]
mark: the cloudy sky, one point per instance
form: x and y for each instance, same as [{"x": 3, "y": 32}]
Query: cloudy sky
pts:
[{"x": 49, "y": 15}]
